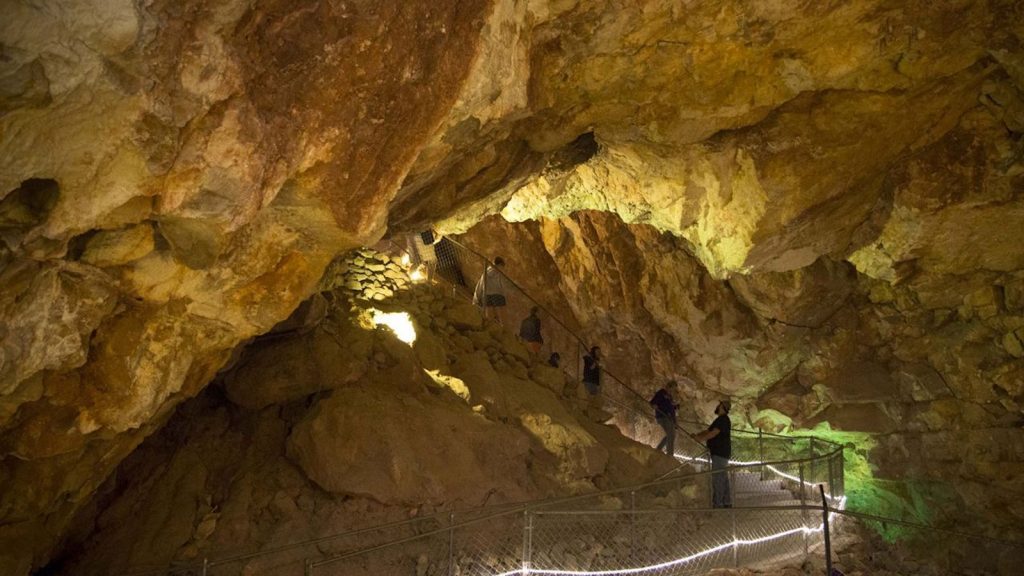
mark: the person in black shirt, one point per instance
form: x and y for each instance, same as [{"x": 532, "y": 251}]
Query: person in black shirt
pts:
[
  {"x": 529, "y": 331},
  {"x": 719, "y": 440},
  {"x": 592, "y": 371},
  {"x": 665, "y": 415},
  {"x": 554, "y": 359}
]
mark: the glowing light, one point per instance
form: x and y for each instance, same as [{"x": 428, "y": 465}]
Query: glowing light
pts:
[
  {"x": 397, "y": 322},
  {"x": 418, "y": 275},
  {"x": 770, "y": 468},
  {"x": 405, "y": 260},
  {"x": 677, "y": 561}
]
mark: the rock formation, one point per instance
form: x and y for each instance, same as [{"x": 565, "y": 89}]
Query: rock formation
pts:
[
  {"x": 343, "y": 426},
  {"x": 811, "y": 191}
]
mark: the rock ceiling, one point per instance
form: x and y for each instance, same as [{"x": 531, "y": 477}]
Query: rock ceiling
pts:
[{"x": 175, "y": 176}]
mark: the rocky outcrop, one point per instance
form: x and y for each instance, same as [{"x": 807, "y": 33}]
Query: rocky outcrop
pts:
[
  {"x": 174, "y": 179},
  {"x": 911, "y": 338},
  {"x": 298, "y": 454}
]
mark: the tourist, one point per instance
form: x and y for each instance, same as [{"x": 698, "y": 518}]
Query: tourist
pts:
[
  {"x": 718, "y": 437},
  {"x": 529, "y": 331},
  {"x": 554, "y": 359},
  {"x": 665, "y": 415},
  {"x": 592, "y": 371},
  {"x": 490, "y": 290}
]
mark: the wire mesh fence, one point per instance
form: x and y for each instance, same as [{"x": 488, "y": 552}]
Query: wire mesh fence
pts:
[
  {"x": 662, "y": 527},
  {"x": 473, "y": 543},
  {"x": 776, "y": 485},
  {"x": 589, "y": 530}
]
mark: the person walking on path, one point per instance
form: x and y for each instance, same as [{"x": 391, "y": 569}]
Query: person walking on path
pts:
[
  {"x": 665, "y": 415},
  {"x": 529, "y": 331},
  {"x": 719, "y": 442},
  {"x": 592, "y": 371},
  {"x": 490, "y": 290}
]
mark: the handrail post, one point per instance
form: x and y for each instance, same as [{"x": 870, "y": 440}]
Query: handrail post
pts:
[
  {"x": 803, "y": 506},
  {"x": 831, "y": 476},
  {"x": 760, "y": 450},
  {"x": 732, "y": 484},
  {"x": 451, "y": 543},
  {"x": 206, "y": 566},
  {"x": 842, "y": 473},
  {"x": 483, "y": 295},
  {"x": 632, "y": 523},
  {"x": 309, "y": 567},
  {"x": 815, "y": 470},
  {"x": 735, "y": 542},
  {"x": 527, "y": 540},
  {"x": 825, "y": 529}
]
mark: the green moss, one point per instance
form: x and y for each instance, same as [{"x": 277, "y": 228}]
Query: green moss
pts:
[{"x": 909, "y": 500}]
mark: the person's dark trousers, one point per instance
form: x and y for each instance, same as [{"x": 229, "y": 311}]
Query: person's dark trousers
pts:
[
  {"x": 721, "y": 497},
  {"x": 669, "y": 441}
]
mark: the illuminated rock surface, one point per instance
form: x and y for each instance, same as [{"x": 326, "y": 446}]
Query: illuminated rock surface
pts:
[
  {"x": 824, "y": 205},
  {"x": 297, "y": 453}
]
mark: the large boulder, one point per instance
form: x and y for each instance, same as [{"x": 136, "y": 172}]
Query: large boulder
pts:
[{"x": 402, "y": 449}]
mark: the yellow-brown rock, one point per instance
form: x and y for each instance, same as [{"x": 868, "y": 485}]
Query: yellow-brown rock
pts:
[
  {"x": 758, "y": 196},
  {"x": 290, "y": 459}
]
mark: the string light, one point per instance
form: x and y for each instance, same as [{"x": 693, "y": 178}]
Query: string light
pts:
[
  {"x": 771, "y": 468},
  {"x": 678, "y": 561}
]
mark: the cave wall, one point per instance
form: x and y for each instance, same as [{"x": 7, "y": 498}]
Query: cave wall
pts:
[
  {"x": 912, "y": 339},
  {"x": 176, "y": 176}
]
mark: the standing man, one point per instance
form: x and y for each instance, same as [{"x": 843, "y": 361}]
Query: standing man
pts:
[
  {"x": 490, "y": 290},
  {"x": 665, "y": 415},
  {"x": 719, "y": 439},
  {"x": 529, "y": 331},
  {"x": 592, "y": 371}
]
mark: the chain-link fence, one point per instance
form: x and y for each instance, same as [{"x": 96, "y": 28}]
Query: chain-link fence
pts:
[
  {"x": 472, "y": 543},
  {"x": 662, "y": 527},
  {"x": 776, "y": 485}
]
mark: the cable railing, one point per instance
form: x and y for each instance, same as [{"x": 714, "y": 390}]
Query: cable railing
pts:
[
  {"x": 660, "y": 527},
  {"x": 479, "y": 535},
  {"x": 779, "y": 486}
]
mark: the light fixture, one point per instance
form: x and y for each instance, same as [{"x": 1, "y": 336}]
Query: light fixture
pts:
[
  {"x": 418, "y": 275},
  {"x": 397, "y": 322}
]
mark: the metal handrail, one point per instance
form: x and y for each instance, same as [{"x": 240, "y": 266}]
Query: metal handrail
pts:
[
  {"x": 538, "y": 508},
  {"x": 514, "y": 507}
]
